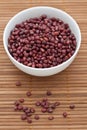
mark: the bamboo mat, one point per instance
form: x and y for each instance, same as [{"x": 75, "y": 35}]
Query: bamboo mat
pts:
[{"x": 70, "y": 86}]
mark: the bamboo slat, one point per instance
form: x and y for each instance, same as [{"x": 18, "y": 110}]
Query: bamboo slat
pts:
[{"x": 70, "y": 86}]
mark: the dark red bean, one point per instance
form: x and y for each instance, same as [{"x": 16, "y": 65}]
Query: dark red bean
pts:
[
  {"x": 52, "y": 106},
  {"x": 32, "y": 110},
  {"x": 43, "y": 104},
  {"x": 72, "y": 106},
  {"x": 44, "y": 110},
  {"x": 28, "y": 93},
  {"x": 64, "y": 114},
  {"x": 20, "y": 107},
  {"x": 36, "y": 117},
  {"x": 43, "y": 16},
  {"x": 25, "y": 109},
  {"x": 49, "y": 93},
  {"x": 50, "y": 117},
  {"x": 28, "y": 114},
  {"x": 28, "y": 110},
  {"x": 57, "y": 103},
  {"x": 23, "y": 117},
  {"x": 18, "y": 83},
  {"x": 46, "y": 105},
  {"x": 49, "y": 110},
  {"x": 17, "y": 103},
  {"x": 45, "y": 100},
  {"x": 38, "y": 103},
  {"x": 21, "y": 100},
  {"x": 29, "y": 120}
]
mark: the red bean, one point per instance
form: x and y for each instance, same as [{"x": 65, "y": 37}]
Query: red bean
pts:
[
  {"x": 18, "y": 83},
  {"x": 57, "y": 103},
  {"x": 44, "y": 110},
  {"x": 38, "y": 103},
  {"x": 52, "y": 106},
  {"x": 20, "y": 107},
  {"x": 21, "y": 100},
  {"x": 29, "y": 120},
  {"x": 45, "y": 100},
  {"x": 49, "y": 110},
  {"x": 23, "y": 117},
  {"x": 72, "y": 106},
  {"x": 28, "y": 110},
  {"x": 28, "y": 93},
  {"x": 64, "y": 114},
  {"x": 50, "y": 117},
  {"x": 29, "y": 114},
  {"x": 32, "y": 110},
  {"x": 25, "y": 109},
  {"x": 36, "y": 117},
  {"x": 49, "y": 93},
  {"x": 43, "y": 104}
]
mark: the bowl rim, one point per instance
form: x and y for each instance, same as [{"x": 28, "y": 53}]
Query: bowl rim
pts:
[{"x": 42, "y": 69}]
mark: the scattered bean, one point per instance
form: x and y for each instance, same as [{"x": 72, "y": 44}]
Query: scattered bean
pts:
[
  {"x": 57, "y": 103},
  {"x": 45, "y": 104},
  {"x": 25, "y": 109},
  {"x": 21, "y": 100},
  {"x": 49, "y": 93},
  {"x": 43, "y": 110},
  {"x": 49, "y": 110},
  {"x": 32, "y": 110},
  {"x": 50, "y": 117},
  {"x": 64, "y": 114},
  {"x": 38, "y": 103},
  {"x": 23, "y": 117},
  {"x": 18, "y": 83},
  {"x": 72, "y": 106},
  {"x": 28, "y": 93},
  {"x": 20, "y": 107},
  {"x": 29, "y": 120},
  {"x": 36, "y": 117}
]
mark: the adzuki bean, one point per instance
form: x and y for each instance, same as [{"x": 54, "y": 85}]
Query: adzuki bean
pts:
[
  {"x": 29, "y": 120},
  {"x": 23, "y": 117},
  {"x": 28, "y": 93},
  {"x": 21, "y": 100},
  {"x": 50, "y": 117},
  {"x": 49, "y": 93},
  {"x": 38, "y": 103},
  {"x": 36, "y": 117},
  {"x": 41, "y": 42},
  {"x": 20, "y": 107},
  {"x": 64, "y": 114},
  {"x": 72, "y": 106},
  {"x": 18, "y": 83}
]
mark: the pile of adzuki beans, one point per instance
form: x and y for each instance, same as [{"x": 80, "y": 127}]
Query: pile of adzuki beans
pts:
[
  {"x": 29, "y": 113},
  {"x": 42, "y": 42}
]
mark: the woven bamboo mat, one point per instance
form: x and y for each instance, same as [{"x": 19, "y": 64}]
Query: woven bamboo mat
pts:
[{"x": 70, "y": 86}]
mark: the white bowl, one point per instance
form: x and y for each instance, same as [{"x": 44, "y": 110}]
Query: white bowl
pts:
[{"x": 36, "y": 12}]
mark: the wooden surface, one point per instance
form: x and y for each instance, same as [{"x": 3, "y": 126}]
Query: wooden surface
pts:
[{"x": 70, "y": 86}]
